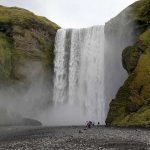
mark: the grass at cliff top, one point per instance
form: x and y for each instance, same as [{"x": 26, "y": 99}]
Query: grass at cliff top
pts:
[
  {"x": 18, "y": 16},
  {"x": 141, "y": 10}
]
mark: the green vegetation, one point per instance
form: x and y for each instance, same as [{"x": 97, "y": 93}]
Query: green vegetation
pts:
[
  {"x": 141, "y": 11},
  {"x": 24, "y": 18},
  {"x": 24, "y": 37},
  {"x": 130, "y": 58},
  {"x": 132, "y": 103},
  {"x": 141, "y": 14},
  {"x": 5, "y": 56}
]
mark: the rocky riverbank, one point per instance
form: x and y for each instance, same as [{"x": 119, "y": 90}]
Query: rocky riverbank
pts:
[{"x": 67, "y": 138}]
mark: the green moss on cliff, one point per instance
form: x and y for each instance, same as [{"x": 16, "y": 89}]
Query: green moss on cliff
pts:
[
  {"x": 130, "y": 58},
  {"x": 132, "y": 103},
  {"x": 141, "y": 11},
  {"x": 145, "y": 38},
  {"x": 134, "y": 94},
  {"x": 24, "y": 37},
  {"x": 5, "y": 56},
  {"x": 24, "y": 18},
  {"x": 141, "y": 14},
  {"x": 118, "y": 109}
]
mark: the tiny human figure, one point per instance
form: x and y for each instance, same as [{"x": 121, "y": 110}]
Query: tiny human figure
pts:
[
  {"x": 90, "y": 124},
  {"x": 86, "y": 125},
  {"x": 93, "y": 124},
  {"x": 98, "y": 123}
]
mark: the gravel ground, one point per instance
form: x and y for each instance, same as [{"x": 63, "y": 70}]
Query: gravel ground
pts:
[{"x": 69, "y": 138}]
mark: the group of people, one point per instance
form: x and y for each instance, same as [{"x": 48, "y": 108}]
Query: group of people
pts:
[{"x": 90, "y": 124}]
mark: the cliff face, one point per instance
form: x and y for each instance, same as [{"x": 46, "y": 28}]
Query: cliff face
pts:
[
  {"x": 23, "y": 37},
  {"x": 26, "y": 62},
  {"x": 132, "y": 103},
  {"x": 119, "y": 33}
]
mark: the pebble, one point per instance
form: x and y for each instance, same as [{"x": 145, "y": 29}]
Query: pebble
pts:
[{"x": 70, "y": 138}]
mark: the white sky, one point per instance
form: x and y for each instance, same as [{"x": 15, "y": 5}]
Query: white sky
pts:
[{"x": 73, "y": 13}]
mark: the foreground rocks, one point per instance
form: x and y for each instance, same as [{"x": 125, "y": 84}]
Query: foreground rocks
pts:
[{"x": 69, "y": 138}]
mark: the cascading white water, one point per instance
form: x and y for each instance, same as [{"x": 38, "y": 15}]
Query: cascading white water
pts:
[{"x": 79, "y": 73}]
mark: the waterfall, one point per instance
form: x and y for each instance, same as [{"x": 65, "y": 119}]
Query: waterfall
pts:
[{"x": 79, "y": 74}]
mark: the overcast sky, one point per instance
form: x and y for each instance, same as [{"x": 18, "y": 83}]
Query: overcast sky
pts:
[{"x": 73, "y": 13}]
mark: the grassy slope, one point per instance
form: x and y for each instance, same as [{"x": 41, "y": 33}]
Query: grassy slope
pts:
[
  {"x": 23, "y": 36},
  {"x": 24, "y": 18}
]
